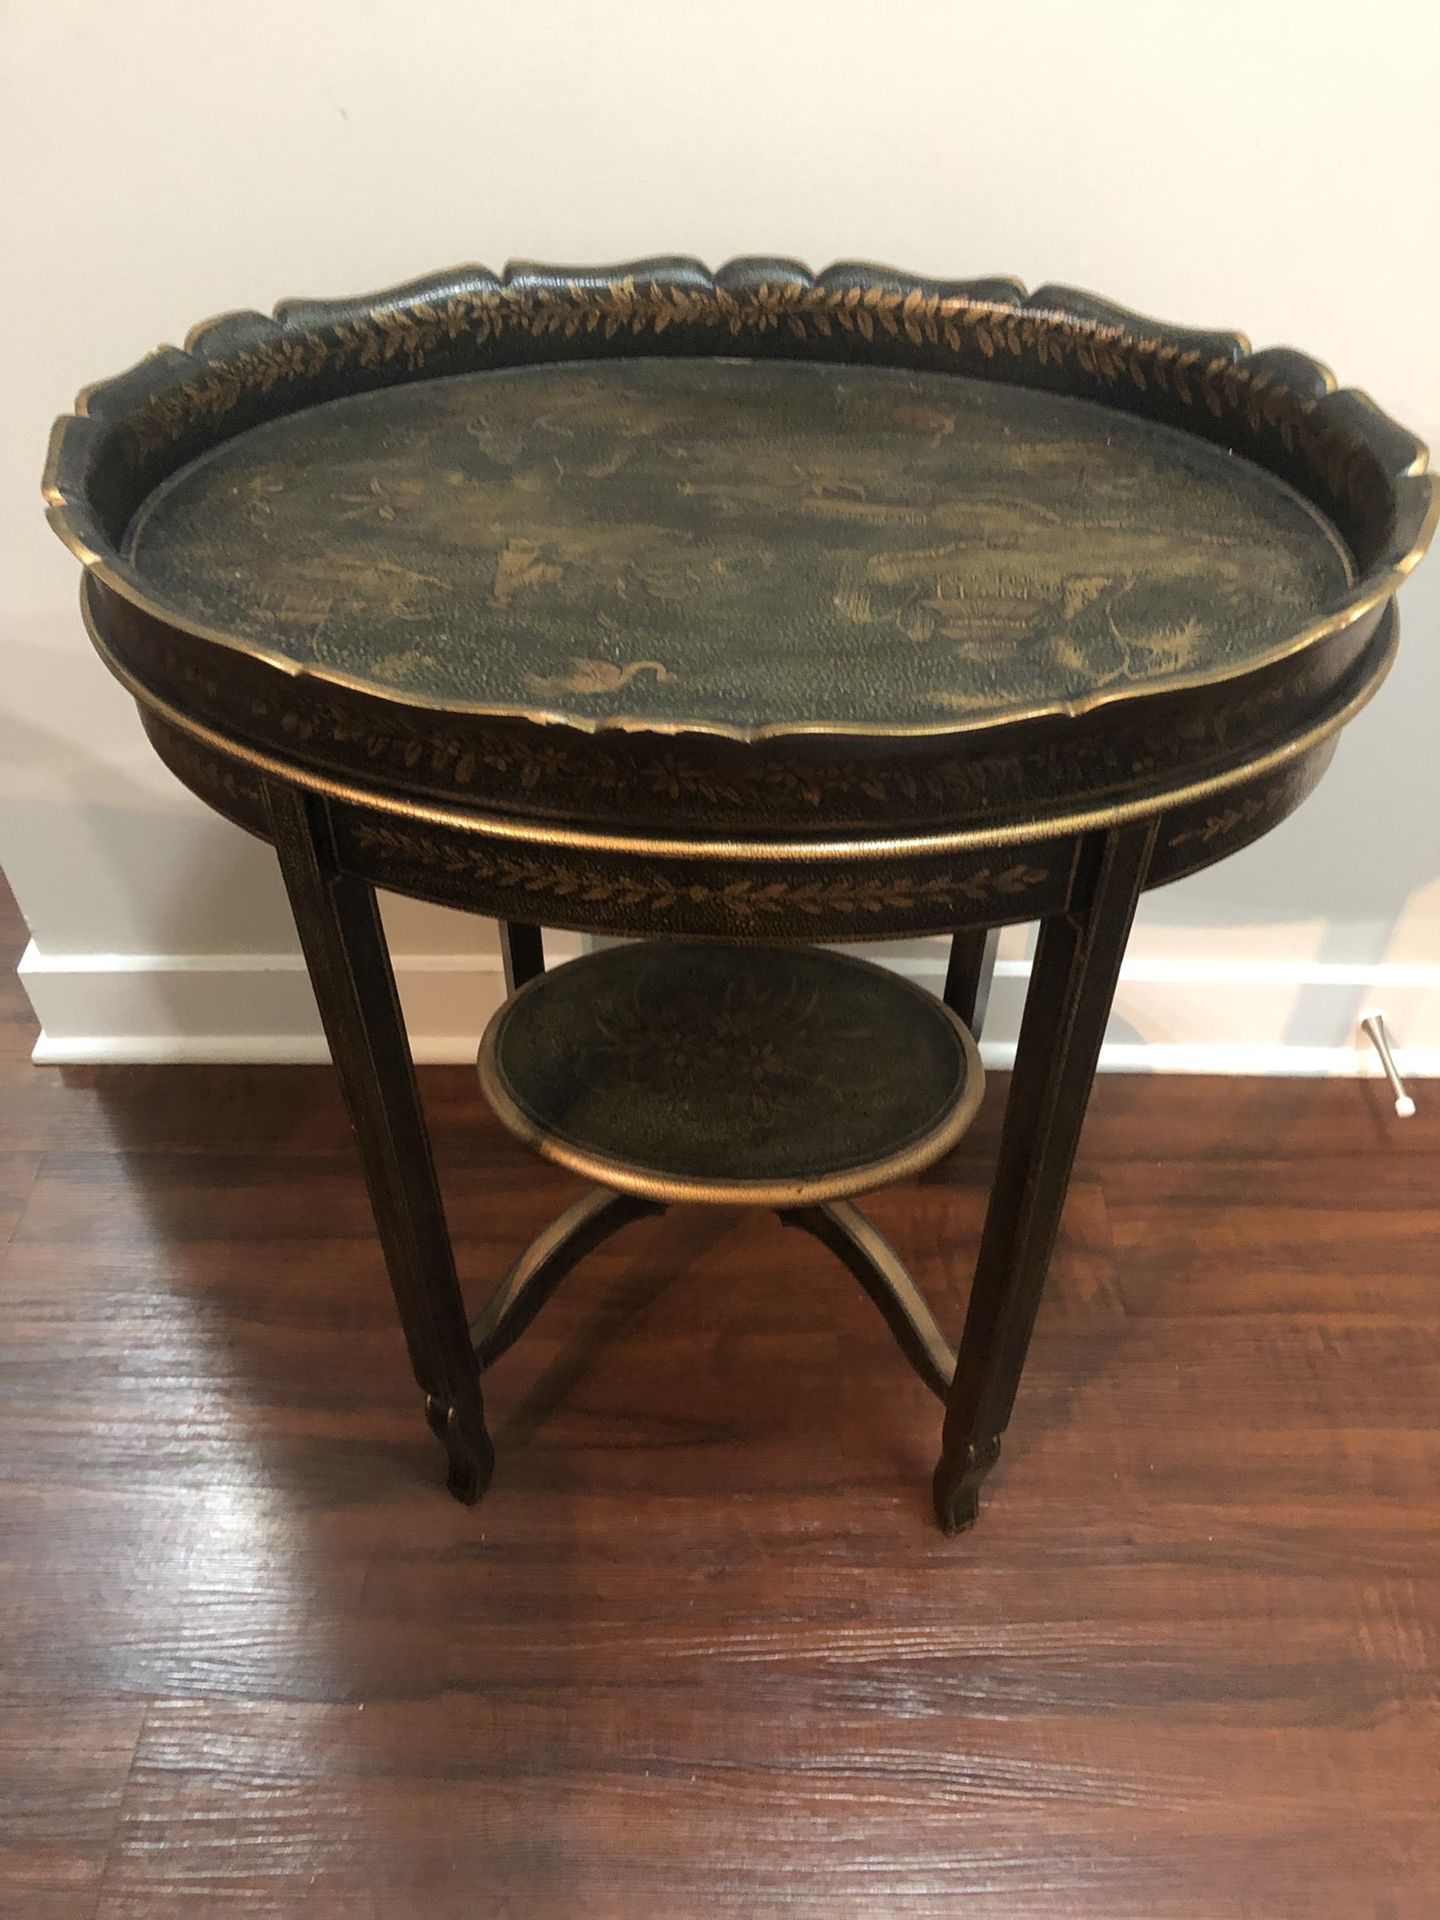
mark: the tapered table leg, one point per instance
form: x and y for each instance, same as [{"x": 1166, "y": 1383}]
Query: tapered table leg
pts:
[
  {"x": 969, "y": 974},
  {"x": 1072, "y": 985},
  {"x": 522, "y": 950},
  {"x": 338, "y": 920}
]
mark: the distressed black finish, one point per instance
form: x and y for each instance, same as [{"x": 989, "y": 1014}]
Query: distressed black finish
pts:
[
  {"x": 1131, "y": 751},
  {"x": 1170, "y": 704},
  {"x": 522, "y": 950},
  {"x": 600, "y": 1213},
  {"x": 724, "y": 1073},
  {"x": 1067, "y": 602},
  {"x": 873, "y": 1261},
  {"x": 741, "y": 547},
  {"x": 1077, "y": 962},
  {"x": 579, "y": 1230},
  {"x": 969, "y": 973},
  {"x": 339, "y": 925}
]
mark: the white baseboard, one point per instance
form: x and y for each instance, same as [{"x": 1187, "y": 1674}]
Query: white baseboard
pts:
[
  {"x": 1200, "y": 1016},
  {"x": 140, "y": 1009}
]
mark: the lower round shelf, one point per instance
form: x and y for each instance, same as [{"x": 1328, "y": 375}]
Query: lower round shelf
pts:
[{"x": 772, "y": 1076}]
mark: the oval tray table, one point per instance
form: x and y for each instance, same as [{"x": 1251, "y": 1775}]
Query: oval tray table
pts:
[{"x": 754, "y": 608}]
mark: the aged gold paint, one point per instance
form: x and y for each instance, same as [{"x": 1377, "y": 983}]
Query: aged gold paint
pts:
[
  {"x": 1083, "y": 816},
  {"x": 653, "y": 1069},
  {"x": 720, "y": 543},
  {"x": 597, "y": 676},
  {"x": 1362, "y": 469}
]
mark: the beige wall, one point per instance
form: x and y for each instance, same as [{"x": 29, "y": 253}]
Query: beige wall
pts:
[{"x": 1269, "y": 166}]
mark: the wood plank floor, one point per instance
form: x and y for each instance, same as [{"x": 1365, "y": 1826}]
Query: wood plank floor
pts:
[{"x": 702, "y": 1651}]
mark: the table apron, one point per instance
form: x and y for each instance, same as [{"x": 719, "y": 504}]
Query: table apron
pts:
[{"x": 702, "y": 894}]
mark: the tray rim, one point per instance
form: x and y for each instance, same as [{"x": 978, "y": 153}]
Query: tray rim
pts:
[
  {"x": 747, "y": 287},
  {"x": 1380, "y": 653}
]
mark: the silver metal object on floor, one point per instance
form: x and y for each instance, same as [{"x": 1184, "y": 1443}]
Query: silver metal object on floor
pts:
[{"x": 1373, "y": 1026}]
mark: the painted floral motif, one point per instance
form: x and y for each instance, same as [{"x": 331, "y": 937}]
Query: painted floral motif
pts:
[
  {"x": 761, "y": 899},
  {"x": 484, "y": 315},
  {"x": 683, "y": 541}
]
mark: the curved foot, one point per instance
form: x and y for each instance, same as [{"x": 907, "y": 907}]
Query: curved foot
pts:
[
  {"x": 467, "y": 1445},
  {"x": 957, "y": 1485}
]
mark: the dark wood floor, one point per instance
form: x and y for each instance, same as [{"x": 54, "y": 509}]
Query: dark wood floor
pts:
[{"x": 702, "y": 1650}]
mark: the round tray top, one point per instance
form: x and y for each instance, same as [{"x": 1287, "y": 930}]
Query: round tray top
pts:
[
  {"x": 733, "y": 546},
  {"x": 772, "y": 1076}
]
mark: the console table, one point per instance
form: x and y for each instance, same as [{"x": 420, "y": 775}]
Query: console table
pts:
[{"x": 742, "y": 612}]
